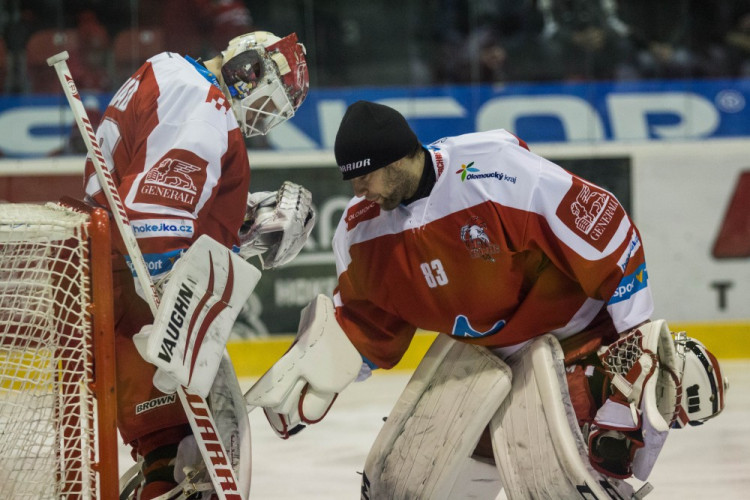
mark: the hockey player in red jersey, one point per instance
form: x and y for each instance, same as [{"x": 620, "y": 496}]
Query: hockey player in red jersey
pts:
[
  {"x": 481, "y": 240},
  {"x": 173, "y": 139}
]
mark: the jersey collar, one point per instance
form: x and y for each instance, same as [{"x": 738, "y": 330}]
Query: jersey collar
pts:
[
  {"x": 426, "y": 182},
  {"x": 205, "y": 73}
]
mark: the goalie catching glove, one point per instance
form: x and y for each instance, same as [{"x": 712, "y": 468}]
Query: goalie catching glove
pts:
[
  {"x": 277, "y": 224},
  {"x": 655, "y": 382},
  {"x": 301, "y": 386}
]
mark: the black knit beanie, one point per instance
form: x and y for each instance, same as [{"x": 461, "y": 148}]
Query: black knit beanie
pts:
[{"x": 370, "y": 137}]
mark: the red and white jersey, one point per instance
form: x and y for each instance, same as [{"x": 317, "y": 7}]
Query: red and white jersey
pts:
[
  {"x": 178, "y": 158},
  {"x": 508, "y": 246}
]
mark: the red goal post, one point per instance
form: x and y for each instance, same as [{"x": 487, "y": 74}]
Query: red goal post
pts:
[{"x": 57, "y": 375}]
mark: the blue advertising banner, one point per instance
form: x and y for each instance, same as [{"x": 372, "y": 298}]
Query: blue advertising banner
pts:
[{"x": 538, "y": 113}]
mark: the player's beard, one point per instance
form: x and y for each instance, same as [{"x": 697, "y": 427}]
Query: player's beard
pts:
[{"x": 399, "y": 184}]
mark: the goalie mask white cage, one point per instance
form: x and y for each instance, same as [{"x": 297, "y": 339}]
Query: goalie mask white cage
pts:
[{"x": 57, "y": 408}]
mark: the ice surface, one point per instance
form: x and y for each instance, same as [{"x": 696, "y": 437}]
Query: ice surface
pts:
[{"x": 324, "y": 461}]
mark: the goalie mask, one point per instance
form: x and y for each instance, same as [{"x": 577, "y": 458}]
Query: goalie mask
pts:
[
  {"x": 265, "y": 79},
  {"x": 703, "y": 385}
]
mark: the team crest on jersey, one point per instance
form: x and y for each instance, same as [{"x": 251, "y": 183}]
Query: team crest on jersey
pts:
[
  {"x": 176, "y": 180},
  {"x": 362, "y": 211},
  {"x": 590, "y": 212},
  {"x": 474, "y": 235}
]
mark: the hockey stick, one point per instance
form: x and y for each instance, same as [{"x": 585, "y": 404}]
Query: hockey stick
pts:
[{"x": 196, "y": 408}]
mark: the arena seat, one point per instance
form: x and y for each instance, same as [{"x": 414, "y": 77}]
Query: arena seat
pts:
[
  {"x": 41, "y": 45},
  {"x": 132, "y": 47}
]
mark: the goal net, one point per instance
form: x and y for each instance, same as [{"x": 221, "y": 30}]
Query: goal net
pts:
[{"x": 57, "y": 407}]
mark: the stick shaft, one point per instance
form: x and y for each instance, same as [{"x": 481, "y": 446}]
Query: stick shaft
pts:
[
  {"x": 197, "y": 410},
  {"x": 105, "y": 178}
]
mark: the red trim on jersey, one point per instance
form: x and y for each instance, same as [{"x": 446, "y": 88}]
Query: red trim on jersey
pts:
[
  {"x": 362, "y": 211},
  {"x": 521, "y": 142}
]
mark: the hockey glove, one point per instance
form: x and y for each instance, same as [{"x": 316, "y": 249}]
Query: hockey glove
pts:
[
  {"x": 632, "y": 424},
  {"x": 277, "y": 224},
  {"x": 301, "y": 387}
]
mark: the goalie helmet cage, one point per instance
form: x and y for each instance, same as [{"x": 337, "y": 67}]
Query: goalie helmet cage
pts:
[{"x": 58, "y": 435}]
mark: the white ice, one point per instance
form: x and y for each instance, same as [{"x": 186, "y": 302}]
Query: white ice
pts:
[{"x": 324, "y": 461}]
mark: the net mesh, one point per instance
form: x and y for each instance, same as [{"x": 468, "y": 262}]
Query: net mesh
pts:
[
  {"x": 47, "y": 409},
  {"x": 621, "y": 355}
]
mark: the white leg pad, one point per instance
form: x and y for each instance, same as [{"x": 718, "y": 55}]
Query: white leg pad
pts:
[
  {"x": 538, "y": 447},
  {"x": 233, "y": 426},
  {"x": 435, "y": 425},
  {"x": 233, "y": 422}
]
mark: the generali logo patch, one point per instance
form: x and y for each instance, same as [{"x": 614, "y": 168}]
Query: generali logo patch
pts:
[
  {"x": 176, "y": 180},
  {"x": 362, "y": 211},
  {"x": 592, "y": 213}
]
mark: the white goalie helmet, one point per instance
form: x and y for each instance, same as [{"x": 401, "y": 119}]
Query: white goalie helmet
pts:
[
  {"x": 703, "y": 385},
  {"x": 265, "y": 79}
]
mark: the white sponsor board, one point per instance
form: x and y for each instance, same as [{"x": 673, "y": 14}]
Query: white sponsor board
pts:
[{"x": 680, "y": 195}]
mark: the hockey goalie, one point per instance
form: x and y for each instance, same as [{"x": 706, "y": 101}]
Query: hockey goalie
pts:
[
  {"x": 201, "y": 298},
  {"x": 549, "y": 378},
  {"x": 172, "y": 140}
]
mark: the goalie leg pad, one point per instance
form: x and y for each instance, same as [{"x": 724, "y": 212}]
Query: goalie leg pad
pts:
[
  {"x": 232, "y": 421},
  {"x": 538, "y": 447},
  {"x": 232, "y": 425},
  {"x": 436, "y": 423}
]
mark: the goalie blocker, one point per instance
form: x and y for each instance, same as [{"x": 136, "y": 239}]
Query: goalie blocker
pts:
[
  {"x": 206, "y": 291},
  {"x": 301, "y": 387}
]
